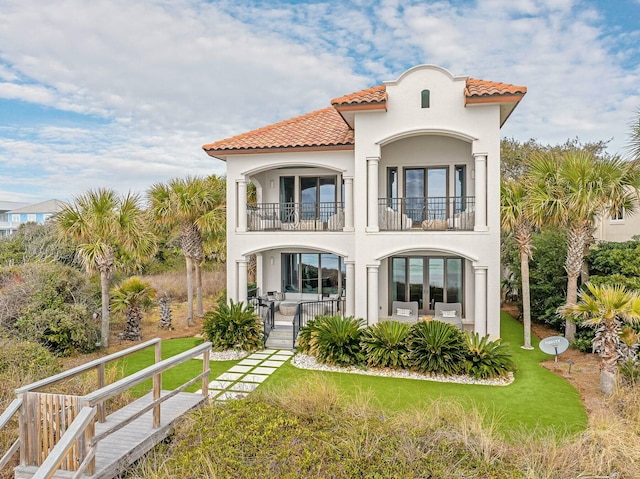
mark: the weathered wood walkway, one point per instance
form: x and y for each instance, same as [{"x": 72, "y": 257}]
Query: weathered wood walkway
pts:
[
  {"x": 70, "y": 436},
  {"x": 119, "y": 450}
]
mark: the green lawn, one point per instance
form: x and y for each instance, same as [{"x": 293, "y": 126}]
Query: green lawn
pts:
[
  {"x": 537, "y": 397},
  {"x": 177, "y": 375}
]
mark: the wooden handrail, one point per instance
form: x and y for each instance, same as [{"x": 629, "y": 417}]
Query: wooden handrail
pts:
[
  {"x": 86, "y": 367},
  {"x": 68, "y": 439},
  {"x": 5, "y": 417},
  {"x": 123, "y": 384}
]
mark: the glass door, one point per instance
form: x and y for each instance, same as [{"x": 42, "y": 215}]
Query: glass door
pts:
[{"x": 414, "y": 193}]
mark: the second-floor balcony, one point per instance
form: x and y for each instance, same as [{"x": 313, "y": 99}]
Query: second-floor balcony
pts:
[
  {"x": 449, "y": 213},
  {"x": 320, "y": 216}
]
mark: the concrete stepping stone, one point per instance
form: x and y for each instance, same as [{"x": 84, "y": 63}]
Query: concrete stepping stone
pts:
[
  {"x": 279, "y": 357},
  {"x": 245, "y": 387},
  {"x": 263, "y": 370},
  {"x": 254, "y": 378},
  {"x": 273, "y": 364},
  {"x": 229, "y": 376},
  {"x": 213, "y": 393},
  {"x": 220, "y": 384},
  {"x": 231, "y": 395},
  {"x": 249, "y": 362},
  {"x": 259, "y": 356},
  {"x": 284, "y": 352},
  {"x": 239, "y": 369}
]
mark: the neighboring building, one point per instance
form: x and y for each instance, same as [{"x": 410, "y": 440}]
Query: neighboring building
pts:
[
  {"x": 6, "y": 226},
  {"x": 392, "y": 193},
  {"x": 617, "y": 227},
  {"x": 13, "y": 214}
]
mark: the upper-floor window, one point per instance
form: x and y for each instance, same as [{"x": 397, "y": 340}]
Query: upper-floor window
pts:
[
  {"x": 15, "y": 218},
  {"x": 425, "y": 98},
  {"x": 31, "y": 218},
  {"x": 617, "y": 214}
]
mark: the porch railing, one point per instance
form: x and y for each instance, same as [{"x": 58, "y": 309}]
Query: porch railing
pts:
[
  {"x": 323, "y": 216},
  {"x": 429, "y": 214},
  {"x": 310, "y": 309}
]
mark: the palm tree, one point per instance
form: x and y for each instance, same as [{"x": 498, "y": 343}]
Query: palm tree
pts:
[
  {"x": 569, "y": 191},
  {"x": 189, "y": 208},
  {"x": 633, "y": 145},
  {"x": 606, "y": 307},
  {"x": 516, "y": 220},
  {"x": 108, "y": 231},
  {"x": 132, "y": 297}
]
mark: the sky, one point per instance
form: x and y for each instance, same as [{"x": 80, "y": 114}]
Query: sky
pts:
[{"x": 123, "y": 93}]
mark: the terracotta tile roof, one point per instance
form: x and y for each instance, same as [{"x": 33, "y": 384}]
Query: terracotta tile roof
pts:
[
  {"x": 321, "y": 128},
  {"x": 376, "y": 94},
  {"x": 326, "y": 128},
  {"x": 483, "y": 88}
]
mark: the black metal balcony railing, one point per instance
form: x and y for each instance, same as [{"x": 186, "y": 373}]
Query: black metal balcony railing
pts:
[
  {"x": 324, "y": 216},
  {"x": 429, "y": 214}
]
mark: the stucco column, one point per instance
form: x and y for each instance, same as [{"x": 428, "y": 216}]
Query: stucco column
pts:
[
  {"x": 350, "y": 300},
  {"x": 348, "y": 203},
  {"x": 242, "y": 205},
  {"x": 481, "y": 191},
  {"x": 372, "y": 194},
  {"x": 241, "y": 266},
  {"x": 480, "y": 277},
  {"x": 372, "y": 294}
]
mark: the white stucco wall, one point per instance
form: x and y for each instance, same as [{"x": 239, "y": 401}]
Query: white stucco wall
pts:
[{"x": 447, "y": 133}]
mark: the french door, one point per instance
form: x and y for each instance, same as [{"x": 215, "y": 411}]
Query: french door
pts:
[
  {"x": 427, "y": 280},
  {"x": 425, "y": 192}
]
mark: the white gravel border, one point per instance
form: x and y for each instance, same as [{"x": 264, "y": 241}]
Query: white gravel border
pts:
[
  {"x": 302, "y": 361},
  {"x": 228, "y": 355}
]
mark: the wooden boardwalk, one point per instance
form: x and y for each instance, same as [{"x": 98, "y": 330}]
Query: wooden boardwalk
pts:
[
  {"x": 69, "y": 436},
  {"x": 119, "y": 450}
]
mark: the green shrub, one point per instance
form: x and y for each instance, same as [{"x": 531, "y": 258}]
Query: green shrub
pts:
[
  {"x": 28, "y": 359},
  {"x": 436, "y": 347},
  {"x": 337, "y": 340},
  {"x": 485, "y": 359},
  {"x": 306, "y": 337},
  {"x": 385, "y": 344},
  {"x": 65, "y": 330},
  {"x": 233, "y": 326}
]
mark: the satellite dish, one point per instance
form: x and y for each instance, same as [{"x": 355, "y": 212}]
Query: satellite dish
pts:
[{"x": 554, "y": 345}]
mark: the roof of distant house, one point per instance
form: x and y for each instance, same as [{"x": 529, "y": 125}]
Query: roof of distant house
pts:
[
  {"x": 49, "y": 206},
  {"x": 327, "y": 129}
]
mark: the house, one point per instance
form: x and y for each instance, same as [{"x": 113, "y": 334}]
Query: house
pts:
[
  {"x": 16, "y": 214},
  {"x": 6, "y": 225},
  {"x": 389, "y": 194},
  {"x": 619, "y": 226}
]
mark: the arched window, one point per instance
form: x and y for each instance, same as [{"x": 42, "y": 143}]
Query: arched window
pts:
[{"x": 425, "y": 98}]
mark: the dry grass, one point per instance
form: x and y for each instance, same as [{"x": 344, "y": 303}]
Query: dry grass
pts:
[
  {"x": 174, "y": 283},
  {"x": 609, "y": 447}
]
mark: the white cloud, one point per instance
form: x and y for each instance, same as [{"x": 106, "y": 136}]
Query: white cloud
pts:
[{"x": 166, "y": 77}]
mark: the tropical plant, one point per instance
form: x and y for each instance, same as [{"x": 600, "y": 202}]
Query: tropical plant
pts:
[
  {"x": 193, "y": 209},
  {"x": 605, "y": 308},
  {"x": 306, "y": 337},
  {"x": 132, "y": 297},
  {"x": 233, "y": 326},
  {"x": 486, "y": 359},
  {"x": 633, "y": 144},
  {"x": 337, "y": 340},
  {"x": 516, "y": 220},
  {"x": 435, "y": 347},
  {"x": 385, "y": 344},
  {"x": 570, "y": 190},
  {"x": 109, "y": 231}
]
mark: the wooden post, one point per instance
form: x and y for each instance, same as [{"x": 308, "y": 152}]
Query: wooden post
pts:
[
  {"x": 157, "y": 387},
  {"x": 88, "y": 447},
  {"x": 205, "y": 369},
  {"x": 23, "y": 430},
  {"x": 101, "y": 406}
]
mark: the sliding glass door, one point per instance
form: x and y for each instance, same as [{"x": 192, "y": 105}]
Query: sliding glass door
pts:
[
  {"x": 318, "y": 273},
  {"x": 425, "y": 192},
  {"x": 427, "y": 280}
]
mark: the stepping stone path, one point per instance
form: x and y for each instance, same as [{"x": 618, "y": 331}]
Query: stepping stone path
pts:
[{"x": 248, "y": 374}]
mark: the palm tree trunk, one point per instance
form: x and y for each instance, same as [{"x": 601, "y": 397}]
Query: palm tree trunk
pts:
[
  {"x": 577, "y": 238},
  {"x": 526, "y": 298},
  {"x": 199, "y": 308},
  {"x": 104, "y": 286},
  {"x": 189, "y": 262}
]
